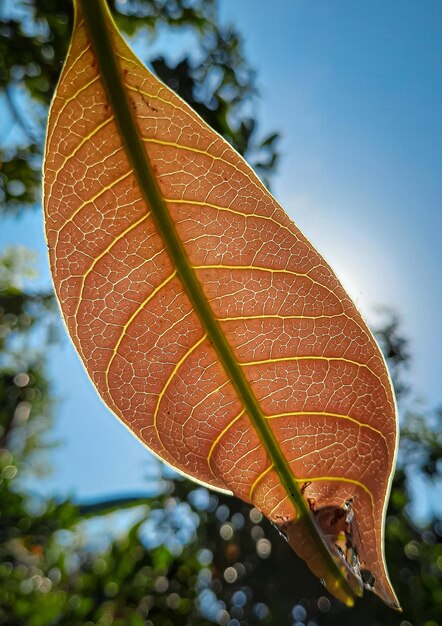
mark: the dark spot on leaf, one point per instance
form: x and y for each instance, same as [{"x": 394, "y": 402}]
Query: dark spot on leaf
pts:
[{"x": 367, "y": 578}]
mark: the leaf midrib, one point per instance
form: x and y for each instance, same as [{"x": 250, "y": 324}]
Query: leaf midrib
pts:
[{"x": 98, "y": 21}]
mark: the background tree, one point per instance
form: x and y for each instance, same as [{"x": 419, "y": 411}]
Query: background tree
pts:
[{"x": 191, "y": 557}]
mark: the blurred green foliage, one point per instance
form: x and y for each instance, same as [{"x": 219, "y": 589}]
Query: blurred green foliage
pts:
[{"x": 190, "y": 558}]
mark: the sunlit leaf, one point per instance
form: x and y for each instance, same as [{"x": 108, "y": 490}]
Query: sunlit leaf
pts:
[{"x": 208, "y": 323}]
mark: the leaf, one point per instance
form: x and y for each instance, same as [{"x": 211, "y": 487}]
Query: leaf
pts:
[{"x": 208, "y": 323}]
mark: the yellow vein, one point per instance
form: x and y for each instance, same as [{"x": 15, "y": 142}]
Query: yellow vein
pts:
[
  {"x": 66, "y": 101},
  {"x": 258, "y": 480},
  {"x": 213, "y": 157},
  {"x": 269, "y": 316},
  {"x": 211, "y": 393},
  {"x": 100, "y": 256},
  {"x": 260, "y": 268},
  {"x": 329, "y": 359},
  {"x": 327, "y": 414},
  {"x": 169, "y": 380},
  {"x": 341, "y": 479},
  {"x": 129, "y": 322},
  {"x": 314, "y": 479},
  {"x": 218, "y": 439},
  {"x": 179, "y": 146},
  {"x": 300, "y": 317},
  {"x": 85, "y": 139},
  {"x": 269, "y": 515},
  {"x": 218, "y": 207},
  {"x": 86, "y": 203},
  {"x": 145, "y": 93}
]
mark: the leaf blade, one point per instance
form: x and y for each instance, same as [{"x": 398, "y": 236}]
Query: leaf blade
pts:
[{"x": 206, "y": 321}]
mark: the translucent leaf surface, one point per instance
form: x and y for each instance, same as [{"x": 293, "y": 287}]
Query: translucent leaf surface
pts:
[{"x": 208, "y": 323}]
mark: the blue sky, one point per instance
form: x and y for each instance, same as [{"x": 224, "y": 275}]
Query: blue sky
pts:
[{"x": 355, "y": 89}]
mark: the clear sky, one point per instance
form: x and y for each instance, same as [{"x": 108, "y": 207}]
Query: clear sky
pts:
[{"x": 355, "y": 88}]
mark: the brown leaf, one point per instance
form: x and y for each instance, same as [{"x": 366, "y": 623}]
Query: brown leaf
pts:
[{"x": 208, "y": 323}]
